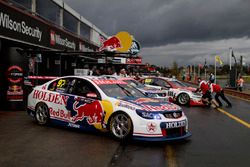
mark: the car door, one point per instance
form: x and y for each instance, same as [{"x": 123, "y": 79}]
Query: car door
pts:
[
  {"x": 164, "y": 86},
  {"x": 84, "y": 104},
  {"x": 57, "y": 99}
]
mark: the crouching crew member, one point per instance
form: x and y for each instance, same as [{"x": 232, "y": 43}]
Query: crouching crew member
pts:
[
  {"x": 204, "y": 88},
  {"x": 219, "y": 92}
]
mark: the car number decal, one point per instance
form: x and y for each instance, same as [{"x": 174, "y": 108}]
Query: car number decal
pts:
[{"x": 148, "y": 81}]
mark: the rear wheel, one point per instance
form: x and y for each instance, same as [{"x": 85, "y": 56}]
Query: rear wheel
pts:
[
  {"x": 183, "y": 99},
  {"x": 121, "y": 126},
  {"x": 42, "y": 114}
]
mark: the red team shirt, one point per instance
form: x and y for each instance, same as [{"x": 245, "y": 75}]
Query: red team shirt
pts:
[
  {"x": 204, "y": 87},
  {"x": 215, "y": 88}
]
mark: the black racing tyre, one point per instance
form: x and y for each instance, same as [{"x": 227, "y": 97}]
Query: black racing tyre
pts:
[
  {"x": 183, "y": 99},
  {"x": 42, "y": 114},
  {"x": 121, "y": 126}
]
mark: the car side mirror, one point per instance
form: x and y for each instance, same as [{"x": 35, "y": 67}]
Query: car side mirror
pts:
[
  {"x": 167, "y": 86},
  {"x": 91, "y": 95}
]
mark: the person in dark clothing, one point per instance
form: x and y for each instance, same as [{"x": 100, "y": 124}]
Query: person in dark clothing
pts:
[
  {"x": 211, "y": 78},
  {"x": 219, "y": 92}
]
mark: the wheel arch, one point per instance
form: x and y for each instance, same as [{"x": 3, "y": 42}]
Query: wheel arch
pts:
[
  {"x": 181, "y": 93},
  {"x": 118, "y": 112},
  {"x": 42, "y": 103}
]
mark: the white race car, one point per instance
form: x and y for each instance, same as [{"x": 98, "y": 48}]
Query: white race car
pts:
[
  {"x": 176, "y": 90},
  {"x": 147, "y": 90},
  {"x": 91, "y": 103}
]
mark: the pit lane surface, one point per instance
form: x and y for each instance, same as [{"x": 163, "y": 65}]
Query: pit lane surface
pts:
[{"x": 218, "y": 140}]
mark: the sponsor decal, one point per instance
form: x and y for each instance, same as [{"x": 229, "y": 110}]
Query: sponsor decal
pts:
[
  {"x": 107, "y": 82},
  {"x": 19, "y": 26},
  {"x": 15, "y": 78},
  {"x": 59, "y": 114},
  {"x": 15, "y": 90},
  {"x": 15, "y": 74},
  {"x": 162, "y": 107},
  {"x": 72, "y": 125},
  {"x": 57, "y": 39},
  {"x": 50, "y": 97},
  {"x": 134, "y": 60},
  {"x": 145, "y": 100},
  {"x": 125, "y": 105},
  {"x": 135, "y": 48},
  {"x": 111, "y": 44},
  {"x": 92, "y": 111},
  {"x": 44, "y": 87},
  {"x": 120, "y": 42},
  {"x": 170, "y": 125},
  {"x": 151, "y": 127}
]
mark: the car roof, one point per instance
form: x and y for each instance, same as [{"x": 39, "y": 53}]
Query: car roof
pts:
[
  {"x": 164, "y": 78},
  {"x": 90, "y": 78},
  {"x": 115, "y": 77}
]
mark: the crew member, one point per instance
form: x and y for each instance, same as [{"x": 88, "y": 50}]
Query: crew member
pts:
[
  {"x": 219, "y": 92},
  {"x": 204, "y": 88},
  {"x": 240, "y": 83}
]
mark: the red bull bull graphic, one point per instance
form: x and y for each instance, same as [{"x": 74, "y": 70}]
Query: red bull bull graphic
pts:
[
  {"x": 111, "y": 44},
  {"x": 92, "y": 112}
]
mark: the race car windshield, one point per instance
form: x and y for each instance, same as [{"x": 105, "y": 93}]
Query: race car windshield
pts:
[
  {"x": 121, "y": 91},
  {"x": 177, "y": 83},
  {"x": 135, "y": 83}
]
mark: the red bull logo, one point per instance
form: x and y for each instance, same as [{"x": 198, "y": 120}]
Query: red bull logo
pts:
[
  {"x": 111, "y": 44},
  {"x": 91, "y": 111},
  {"x": 121, "y": 42}
]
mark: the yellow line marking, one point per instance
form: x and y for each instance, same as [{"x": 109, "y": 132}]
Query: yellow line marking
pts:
[
  {"x": 234, "y": 117},
  {"x": 171, "y": 158}
]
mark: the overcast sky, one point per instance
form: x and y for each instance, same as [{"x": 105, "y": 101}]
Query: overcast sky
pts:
[{"x": 185, "y": 31}]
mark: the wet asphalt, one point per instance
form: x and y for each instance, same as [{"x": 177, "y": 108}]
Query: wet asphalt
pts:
[{"x": 217, "y": 140}]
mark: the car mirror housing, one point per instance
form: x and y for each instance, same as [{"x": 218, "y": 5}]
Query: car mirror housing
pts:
[{"x": 91, "y": 95}]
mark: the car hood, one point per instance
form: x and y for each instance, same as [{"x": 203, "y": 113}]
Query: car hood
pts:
[
  {"x": 149, "y": 104},
  {"x": 145, "y": 89},
  {"x": 190, "y": 89}
]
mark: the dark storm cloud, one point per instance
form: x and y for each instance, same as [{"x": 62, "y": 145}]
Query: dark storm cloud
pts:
[
  {"x": 185, "y": 31},
  {"x": 161, "y": 22}
]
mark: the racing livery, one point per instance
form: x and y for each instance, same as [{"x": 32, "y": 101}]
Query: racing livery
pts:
[
  {"x": 177, "y": 91},
  {"x": 91, "y": 103}
]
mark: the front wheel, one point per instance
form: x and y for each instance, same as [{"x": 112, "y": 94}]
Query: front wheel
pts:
[
  {"x": 121, "y": 126},
  {"x": 42, "y": 114},
  {"x": 183, "y": 99}
]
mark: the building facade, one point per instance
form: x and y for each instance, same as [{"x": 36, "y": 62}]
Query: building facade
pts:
[{"x": 39, "y": 25}]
